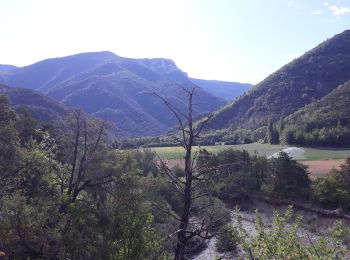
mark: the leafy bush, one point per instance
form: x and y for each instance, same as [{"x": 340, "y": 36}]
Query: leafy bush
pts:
[
  {"x": 333, "y": 190},
  {"x": 227, "y": 239},
  {"x": 282, "y": 240}
]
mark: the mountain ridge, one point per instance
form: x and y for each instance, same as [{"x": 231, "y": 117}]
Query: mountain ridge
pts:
[
  {"x": 223, "y": 89},
  {"x": 117, "y": 89},
  {"x": 296, "y": 84}
]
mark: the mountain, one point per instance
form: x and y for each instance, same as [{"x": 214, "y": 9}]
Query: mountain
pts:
[
  {"x": 223, "y": 89},
  {"x": 116, "y": 89},
  {"x": 6, "y": 68},
  {"x": 306, "y": 79},
  {"x": 42, "y": 108},
  {"x": 322, "y": 122},
  {"x": 331, "y": 110}
]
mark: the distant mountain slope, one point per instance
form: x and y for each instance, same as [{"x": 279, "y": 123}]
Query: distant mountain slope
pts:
[
  {"x": 119, "y": 90},
  {"x": 326, "y": 121},
  {"x": 304, "y": 80},
  {"x": 223, "y": 89},
  {"x": 42, "y": 108},
  {"x": 6, "y": 68}
]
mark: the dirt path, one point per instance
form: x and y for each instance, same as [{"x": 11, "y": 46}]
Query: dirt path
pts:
[{"x": 322, "y": 167}]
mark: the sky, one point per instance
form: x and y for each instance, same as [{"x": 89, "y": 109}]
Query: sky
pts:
[{"x": 232, "y": 40}]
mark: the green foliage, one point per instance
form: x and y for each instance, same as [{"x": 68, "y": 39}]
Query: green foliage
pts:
[
  {"x": 39, "y": 218},
  {"x": 238, "y": 174},
  {"x": 26, "y": 125},
  {"x": 130, "y": 214},
  {"x": 273, "y": 133},
  {"x": 322, "y": 123},
  {"x": 289, "y": 179},
  {"x": 227, "y": 239},
  {"x": 146, "y": 160},
  {"x": 211, "y": 210},
  {"x": 333, "y": 190},
  {"x": 8, "y": 138},
  {"x": 281, "y": 240}
]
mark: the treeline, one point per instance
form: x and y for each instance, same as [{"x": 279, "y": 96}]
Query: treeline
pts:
[
  {"x": 281, "y": 132},
  {"x": 241, "y": 174}
]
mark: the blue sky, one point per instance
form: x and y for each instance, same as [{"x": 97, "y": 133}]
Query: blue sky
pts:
[{"x": 234, "y": 40}]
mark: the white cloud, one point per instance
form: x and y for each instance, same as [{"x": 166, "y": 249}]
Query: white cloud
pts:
[
  {"x": 326, "y": 4},
  {"x": 317, "y": 12},
  {"x": 337, "y": 11}
]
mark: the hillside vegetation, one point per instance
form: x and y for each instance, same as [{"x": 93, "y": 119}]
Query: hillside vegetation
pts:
[
  {"x": 42, "y": 108},
  {"x": 301, "y": 82},
  {"x": 323, "y": 122}
]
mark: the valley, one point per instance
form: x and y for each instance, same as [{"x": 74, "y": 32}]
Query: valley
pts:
[
  {"x": 311, "y": 154},
  {"x": 320, "y": 161},
  {"x": 110, "y": 157}
]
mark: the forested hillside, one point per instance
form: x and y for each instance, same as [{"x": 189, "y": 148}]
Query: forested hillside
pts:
[
  {"x": 119, "y": 90},
  {"x": 304, "y": 80},
  {"x": 323, "y": 122},
  {"x": 41, "y": 108}
]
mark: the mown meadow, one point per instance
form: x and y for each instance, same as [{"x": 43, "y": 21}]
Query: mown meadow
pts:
[{"x": 311, "y": 154}]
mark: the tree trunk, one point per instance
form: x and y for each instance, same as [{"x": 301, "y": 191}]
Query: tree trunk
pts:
[{"x": 182, "y": 240}]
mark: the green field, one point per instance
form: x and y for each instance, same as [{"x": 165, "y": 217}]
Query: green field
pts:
[{"x": 261, "y": 149}]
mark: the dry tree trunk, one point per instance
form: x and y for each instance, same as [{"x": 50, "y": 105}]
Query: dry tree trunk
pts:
[{"x": 186, "y": 136}]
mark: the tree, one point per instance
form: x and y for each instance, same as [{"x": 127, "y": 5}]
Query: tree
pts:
[
  {"x": 101, "y": 218},
  {"x": 83, "y": 150},
  {"x": 227, "y": 239},
  {"x": 188, "y": 186},
  {"x": 8, "y": 138},
  {"x": 29, "y": 204},
  {"x": 289, "y": 178},
  {"x": 146, "y": 160},
  {"x": 272, "y": 133},
  {"x": 333, "y": 190},
  {"x": 26, "y": 125}
]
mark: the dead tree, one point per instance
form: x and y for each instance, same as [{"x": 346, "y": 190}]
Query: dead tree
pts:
[
  {"x": 186, "y": 135},
  {"x": 83, "y": 143}
]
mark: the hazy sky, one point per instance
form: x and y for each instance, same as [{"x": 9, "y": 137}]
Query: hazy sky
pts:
[{"x": 235, "y": 40}]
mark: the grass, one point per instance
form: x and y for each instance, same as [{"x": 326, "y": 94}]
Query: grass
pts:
[
  {"x": 261, "y": 149},
  {"x": 314, "y": 154}
]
